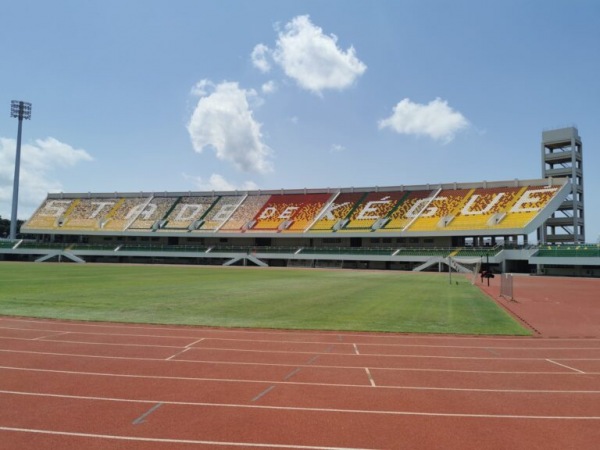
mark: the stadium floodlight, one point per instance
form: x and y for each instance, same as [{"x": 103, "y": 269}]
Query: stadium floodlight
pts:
[{"x": 20, "y": 110}]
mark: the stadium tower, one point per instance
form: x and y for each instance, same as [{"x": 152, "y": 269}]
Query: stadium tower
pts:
[
  {"x": 562, "y": 157},
  {"x": 20, "y": 110}
]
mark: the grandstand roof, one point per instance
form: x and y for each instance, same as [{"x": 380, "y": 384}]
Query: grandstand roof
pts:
[{"x": 451, "y": 209}]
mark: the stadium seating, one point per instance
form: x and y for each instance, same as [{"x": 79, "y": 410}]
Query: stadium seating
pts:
[
  {"x": 48, "y": 214},
  {"x": 292, "y": 212},
  {"x": 527, "y": 204},
  {"x": 337, "y": 211},
  {"x": 570, "y": 251},
  {"x": 244, "y": 214},
  {"x": 89, "y": 213},
  {"x": 440, "y": 211},
  {"x": 388, "y": 211},
  {"x": 372, "y": 208},
  {"x": 478, "y": 251},
  {"x": 220, "y": 211},
  {"x": 481, "y": 206},
  {"x": 153, "y": 211},
  {"x": 123, "y": 213},
  {"x": 407, "y": 210},
  {"x": 185, "y": 211}
]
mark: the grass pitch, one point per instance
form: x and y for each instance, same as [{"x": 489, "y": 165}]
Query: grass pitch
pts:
[{"x": 252, "y": 297}]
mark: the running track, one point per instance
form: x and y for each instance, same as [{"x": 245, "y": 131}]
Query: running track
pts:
[{"x": 70, "y": 385}]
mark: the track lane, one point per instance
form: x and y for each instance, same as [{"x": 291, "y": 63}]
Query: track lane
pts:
[
  {"x": 298, "y": 395},
  {"x": 321, "y": 381},
  {"x": 327, "y": 429}
]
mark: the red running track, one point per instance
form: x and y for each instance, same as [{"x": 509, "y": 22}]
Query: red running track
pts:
[{"x": 76, "y": 385}]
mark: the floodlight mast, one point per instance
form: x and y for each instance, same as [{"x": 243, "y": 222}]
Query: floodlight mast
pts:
[{"x": 20, "y": 110}]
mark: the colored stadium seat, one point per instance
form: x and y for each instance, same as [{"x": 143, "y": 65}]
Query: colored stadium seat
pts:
[{"x": 292, "y": 212}]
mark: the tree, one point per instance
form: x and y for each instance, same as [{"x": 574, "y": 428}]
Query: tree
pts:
[{"x": 5, "y": 227}]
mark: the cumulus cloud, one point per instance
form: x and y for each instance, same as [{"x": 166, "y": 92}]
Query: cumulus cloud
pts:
[
  {"x": 38, "y": 161},
  {"x": 310, "y": 57},
  {"x": 435, "y": 119},
  {"x": 269, "y": 87},
  {"x": 260, "y": 58},
  {"x": 223, "y": 120},
  {"x": 337, "y": 148},
  {"x": 217, "y": 182}
]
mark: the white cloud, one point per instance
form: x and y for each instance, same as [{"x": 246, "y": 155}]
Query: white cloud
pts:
[
  {"x": 38, "y": 161},
  {"x": 223, "y": 120},
  {"x": 217, "y": 182},
  {"x": 201, "y": 88},
  {"x": 269, "y": 87},
  {"x": 435, "y": 119},
  {"x": 310, "y": 57},
  {"x": 259, "y": 56},
  {"x": 337, "y": 148}
]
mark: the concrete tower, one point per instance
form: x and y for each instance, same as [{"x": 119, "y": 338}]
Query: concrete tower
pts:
[{"x": 562, "y": 156}]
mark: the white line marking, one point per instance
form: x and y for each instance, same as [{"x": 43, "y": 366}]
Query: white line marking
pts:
[
  {"x": 195, "y": 342},
  {"x": 312, "y": 360},
  {"x": 326, "y": 352},
  {"x": 291, "y": 374},
  {"x": 483, "y": 346},
  {"x": 171, "y": 441},
  {"x": 520, "y": 339},
  {"x": 566, "y": 367},
  {"x": 177, "y": 354},
  {"x": 485, "y": 341},
  {"x": 309, "y": 409},
  {"x": 263, "y": 393},
  {"x": 356, "y": 349},
  {"x": 142, "y": 418},
  {"x": 49, "y": 336},
  {"x": 370, "y": 377},
  {"x": 64, "y": 341},
  {"x": 296, "y": 383},
  {"x": 322, "y": 366}
]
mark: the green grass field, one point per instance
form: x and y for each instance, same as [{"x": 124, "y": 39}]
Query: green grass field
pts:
[{"x": 252, "y": 297}]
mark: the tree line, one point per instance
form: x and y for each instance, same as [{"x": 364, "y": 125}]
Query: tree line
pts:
[{"x": 5, "y": 227}]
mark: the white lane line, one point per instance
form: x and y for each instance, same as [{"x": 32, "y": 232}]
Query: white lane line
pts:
[
  {"x": 194, "y": 343},
  {"x": 291, "y": 374},
  {"x": 565, "y": 366},
  {"x": 185, "y": 349},
  {"x": 142, "y": 418},
  {"x": 309, "y": 364},
  {"x": 177, "y": 354},
  {"x": 296, "y": 383},
  {"x": 114, "y": 325},
  {"x": 204, "y": 330},
  {"x": 312, "y": 360},
  {"x": 263, "y": 393},
  {"x": 64, "y": 341},
  {"x": 483, "y": 346},
  {"x": 172, "y": 441},
  {"x": 53, "y": 335},
  {"x": 304, "y": 408},
  {"x": 370, "y": 377},
  {"x": 327, "y": 352}
]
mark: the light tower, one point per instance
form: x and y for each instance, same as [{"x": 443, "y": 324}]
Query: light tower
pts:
[{"x": 20, "y": 110}]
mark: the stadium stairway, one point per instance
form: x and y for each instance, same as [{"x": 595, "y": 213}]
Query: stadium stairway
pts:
[
  {"x": 430, "y": 262},
  {"x": 251, "y": 258}
]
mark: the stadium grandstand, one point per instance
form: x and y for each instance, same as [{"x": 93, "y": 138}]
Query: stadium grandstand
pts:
[{"x": 425, "y": 227}]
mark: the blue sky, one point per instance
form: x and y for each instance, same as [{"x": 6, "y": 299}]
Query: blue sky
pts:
[{"x": 147, "y": 95}]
